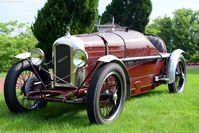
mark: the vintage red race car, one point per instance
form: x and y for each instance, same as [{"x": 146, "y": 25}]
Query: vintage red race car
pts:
[{"x": 100, "y": 69}]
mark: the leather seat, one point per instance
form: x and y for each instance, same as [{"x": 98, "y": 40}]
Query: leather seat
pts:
[{"x": 157, "y": 42}]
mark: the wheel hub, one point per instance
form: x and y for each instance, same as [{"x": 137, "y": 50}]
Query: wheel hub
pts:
[
  {"x": 115, "y": 96},
  {"x": 29, "y": 85}
]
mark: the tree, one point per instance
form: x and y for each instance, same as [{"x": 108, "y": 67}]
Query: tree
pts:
[
  {"x": 131, "y": 13},
  {"x": 55, "y": 16},
  {"x": 186, "y": 30},
  {"x": 183, "y": 29},
  {"x": 161, "y": 27}
]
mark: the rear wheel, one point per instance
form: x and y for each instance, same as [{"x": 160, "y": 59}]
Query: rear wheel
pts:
[
  {"x": 180, "y": 77},
  {"x": 107, "y": 94},
  {"x": 18, "y": 83}
]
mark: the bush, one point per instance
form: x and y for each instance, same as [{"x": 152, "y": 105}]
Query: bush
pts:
[
  {"x": 195, "y": 57},
  {"x": 12, "y": 43}
]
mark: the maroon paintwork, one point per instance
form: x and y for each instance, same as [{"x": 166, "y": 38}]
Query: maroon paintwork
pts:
[
  {"x": 121, "y": 43},
  {"x": 100, "y": 69},
  {"x": 124, "y": 44}
]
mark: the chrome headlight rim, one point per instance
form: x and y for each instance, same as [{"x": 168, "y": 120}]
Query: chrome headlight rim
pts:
[
  {"x": 37, "y": 56},
  {"x": 82, "y": 60}
]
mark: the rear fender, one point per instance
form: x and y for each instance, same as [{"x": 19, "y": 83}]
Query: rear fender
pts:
[
  {"x": 172, "y": 64},
  {"x": 114, "y": 59}
]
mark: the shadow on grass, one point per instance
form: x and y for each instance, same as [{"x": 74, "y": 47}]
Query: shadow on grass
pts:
[
  {"x": 155, "y": 92},
  {"x": 57, "y": 114}
]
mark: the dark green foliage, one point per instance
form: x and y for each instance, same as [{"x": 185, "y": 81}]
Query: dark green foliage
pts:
[
  {"x": 162, "y": 28},
  {"x": 183, "y": 29},
  {"x": 131, "y": 13},
  {"x": 55, "y": 16},
  {"x": 195, "y": 57},
  {"x": 15, "y": 38}
]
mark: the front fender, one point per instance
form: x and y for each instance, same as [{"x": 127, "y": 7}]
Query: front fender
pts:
[
  {"x": 172, "y": 64},
  {"x": 108, "y": 58},
  {"x": 23, "y": 55},
  {"x": 111, "y": 58}
]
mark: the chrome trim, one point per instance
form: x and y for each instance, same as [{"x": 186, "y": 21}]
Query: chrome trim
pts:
[
  {"x": 55, "y": 70},
  {"x": 166, "y": 55},
  {"x": 172, "y": 64},
  {"x": 160, "y": 56},
  {"x": 86, "y": 56},
  {"x": 108, "y": 58},
  {"x": 74, "y": 43},
  {"x": 41, "y": 58},
  {"x": 101, "y": 27}
]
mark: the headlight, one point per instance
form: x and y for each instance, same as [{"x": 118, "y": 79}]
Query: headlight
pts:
[
  {"x": 37, "y": 56},
  {"x": 79, "y": 58}
]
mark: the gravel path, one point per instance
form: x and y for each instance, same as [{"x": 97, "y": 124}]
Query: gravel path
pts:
[
  {"x": 1, "y": 84},
  {"x": 193, "y": 67}
]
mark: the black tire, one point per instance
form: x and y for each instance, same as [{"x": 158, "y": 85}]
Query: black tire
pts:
[
  {"x": 103, "y": 96},
  {"x": 11, "y": 87},
  {"x": 180, "y": 77}
]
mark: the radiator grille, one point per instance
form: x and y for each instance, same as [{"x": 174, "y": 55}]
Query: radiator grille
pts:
[{"x": 62, "y": 63}]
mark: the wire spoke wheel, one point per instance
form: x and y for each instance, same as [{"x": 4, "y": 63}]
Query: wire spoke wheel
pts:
[
  {"x": 180, "y": 77},
  {"x": 110, "y": 95},
  {"x": 24, "y": 84},
  {"x": 18, "y": 83},
  {"x": 107, "y": 94}
]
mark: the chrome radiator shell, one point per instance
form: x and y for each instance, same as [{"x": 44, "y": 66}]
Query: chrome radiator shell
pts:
[{"x": 63, "y": 67}]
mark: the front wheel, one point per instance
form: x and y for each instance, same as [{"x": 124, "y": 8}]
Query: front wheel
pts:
[
  {"x": 18, "y": 83},
  {"x": 107, "y": 94},
  {"x": 180, "y": 77}
]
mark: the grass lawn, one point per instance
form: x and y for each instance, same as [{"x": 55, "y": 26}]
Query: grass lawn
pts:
[
  {"x": 3, "y": 74},
  {"x": 156, "y": 111}
]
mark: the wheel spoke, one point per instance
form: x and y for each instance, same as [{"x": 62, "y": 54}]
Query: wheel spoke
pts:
[
  {"x": 183, "y": 76},
  {"x": 23, "y": 78},
  {"x": 178, "y": 70},
  {"x": 109, "y": 96},
  {"x": 20, "y": 90},
  {"x": 179, "y": 77},
  {"x": 182, "y": 72},
  {"x": 115, "y": 96}
]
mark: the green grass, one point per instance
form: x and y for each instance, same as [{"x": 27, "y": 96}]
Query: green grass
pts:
[
  {"x": 3, "y": 74},
  {"x": 156, "y": 111}
]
